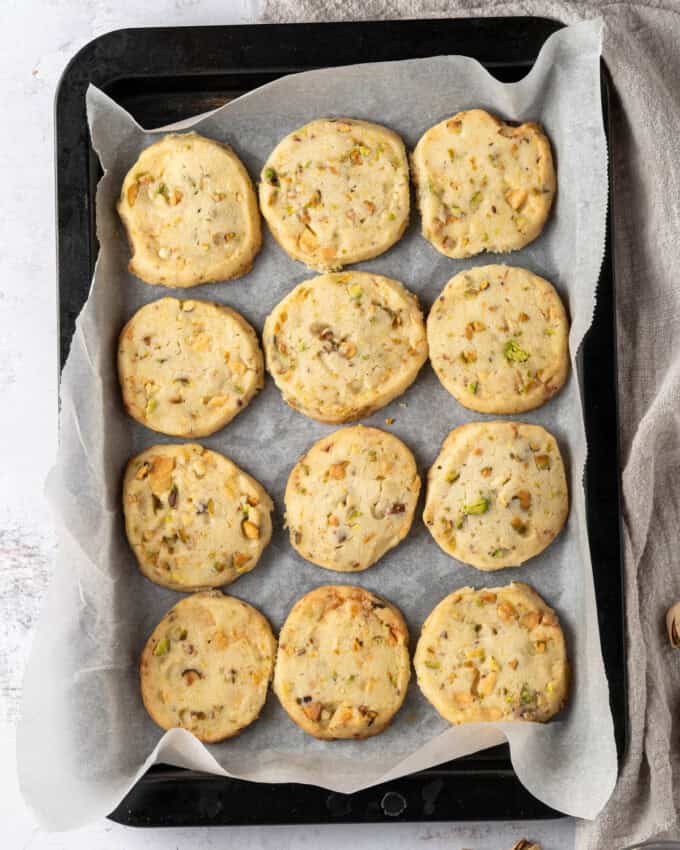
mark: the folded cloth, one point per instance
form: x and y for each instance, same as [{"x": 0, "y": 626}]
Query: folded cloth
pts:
[{"x": 641, "y": 51}]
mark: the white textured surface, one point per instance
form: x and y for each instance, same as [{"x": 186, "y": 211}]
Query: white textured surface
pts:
[{"x": 40, "y": 38}]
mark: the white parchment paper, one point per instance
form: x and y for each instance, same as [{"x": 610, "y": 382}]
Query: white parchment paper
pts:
[{"x": 84, "y": 736}]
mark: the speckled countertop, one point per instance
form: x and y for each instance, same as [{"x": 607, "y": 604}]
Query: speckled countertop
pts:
[{"x": 40, "y": 36}]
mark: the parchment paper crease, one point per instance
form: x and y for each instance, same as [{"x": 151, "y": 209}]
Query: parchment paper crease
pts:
[{"x": 84, "y": 734}]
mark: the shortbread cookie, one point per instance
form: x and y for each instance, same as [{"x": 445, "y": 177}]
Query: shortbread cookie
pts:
[
  {"x": 499, "y": 339},
  {"x": 493, "y": 654},
  {"x": 336, "y": 191},
  {"x": 342, "y": 667},
  {"x": 193, "y": 518},
  {"x": 341, "y": 346},
  {"x": 351, "y": 498},
  {"x": 207, "y": 666},
  {"x": 190, "y": 213},
  {"x": 483, "y": 185},
  {"x": 497, "y": 494},
  {"x": 186, "y": 368}
]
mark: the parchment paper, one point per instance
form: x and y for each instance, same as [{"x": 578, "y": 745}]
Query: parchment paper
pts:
[{"x": 84, "y": 735}]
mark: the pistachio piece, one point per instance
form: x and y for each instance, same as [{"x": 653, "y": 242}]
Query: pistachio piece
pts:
[
  {"x": 526, "y": 695},
  {"x": 191, "y": 675},
  {"x": 516, "y": 198},
  {"x": 143, "y": 471},
  {"x": 308, "y": 241},
  {"x": 347, "y": 350},
  {"x": 463, "y": 698},
  {"x": 271, "y": 177},
  {"x": 542, "y": 461},
  {"x": 481, "y": 506},
  {"x": 474, "y": 327},
  {"x": 312, "y": 710},
  {"x": 486, "y": 684},
  {"x": 506, "y": 611},
  {"x": 673, "y": 625},
  {"x": 524, "y": 497},
  {"x": 162, "y": 647},
  {"x": 240, "y": 560},
  {"x": 525, "y": 844},
  {"x": 337, "y": 470},
  {"x": 513, "y": 353},
  {"x": 530, "y": 620},
  {"x": 250, "y": 530},
  {"x": 161, "y": 473}
]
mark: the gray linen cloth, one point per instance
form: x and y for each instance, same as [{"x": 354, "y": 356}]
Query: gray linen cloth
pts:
[{"x": 642, "y": 50}]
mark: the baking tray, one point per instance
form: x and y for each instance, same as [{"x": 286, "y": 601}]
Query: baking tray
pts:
[{"x": 161, "y": 75}]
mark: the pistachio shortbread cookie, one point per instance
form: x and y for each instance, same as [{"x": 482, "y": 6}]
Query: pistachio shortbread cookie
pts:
[
  {"x": 493, "y": 654},
  {"x": 336, "y": 191},
  {"x": 342, "y": 668},
  {"x": 351, "y": 498},
  {"x": 498, "y": 339},
  {"x": 190, "y": 212},
  {"x": 497, "y": 494},
  {"x": 207, "y": 666},
  {"x": 483, "y": 185},
  {"x": 186, "y": 368},
  {"x": 341, "y": 346},
  {"x": 193, "y": 518}
]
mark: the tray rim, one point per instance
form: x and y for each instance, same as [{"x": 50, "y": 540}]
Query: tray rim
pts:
[{"x": 102, "y": 43}]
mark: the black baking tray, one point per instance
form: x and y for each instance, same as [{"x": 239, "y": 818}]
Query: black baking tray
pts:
[{"x": 161, "y": 75}]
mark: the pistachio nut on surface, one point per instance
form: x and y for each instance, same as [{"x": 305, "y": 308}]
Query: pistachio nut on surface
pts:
[{"x": 673, "y": 625}]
